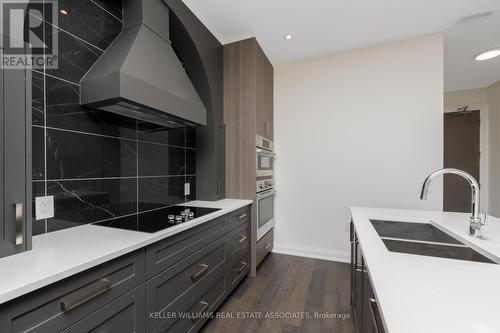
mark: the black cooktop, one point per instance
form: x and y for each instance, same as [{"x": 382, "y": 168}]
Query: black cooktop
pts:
[{"x": 158, "y": 219}]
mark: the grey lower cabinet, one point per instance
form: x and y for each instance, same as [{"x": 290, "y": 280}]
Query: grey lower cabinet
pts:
[
  {"x": 15, "y": 160},
  {"x": 367, "y": 317},
  {"x": 169, "y": 286}
]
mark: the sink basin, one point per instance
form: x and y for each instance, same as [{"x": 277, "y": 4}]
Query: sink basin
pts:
[
  {"x": 413, "y": 231},
  {"x": 424, "y": 239},
  {"x": 436, "y": 250}
]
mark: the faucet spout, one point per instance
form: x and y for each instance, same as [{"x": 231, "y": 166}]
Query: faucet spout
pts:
[{"x": 475, "y": 220}]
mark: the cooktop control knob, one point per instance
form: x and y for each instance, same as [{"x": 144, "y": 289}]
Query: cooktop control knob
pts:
[
  {"x": 178, "y": 219},
  {"x": 191, "y": 215}
]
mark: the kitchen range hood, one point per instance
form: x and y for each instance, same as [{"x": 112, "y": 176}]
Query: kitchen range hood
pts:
[{"x": 140, "y": 76}]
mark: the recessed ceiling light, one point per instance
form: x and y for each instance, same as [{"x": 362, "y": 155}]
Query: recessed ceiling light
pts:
[
  {"x": 63, "y": 11},
  {"x": 489, "y": 54},
  {"x": 288, "y": 37}
]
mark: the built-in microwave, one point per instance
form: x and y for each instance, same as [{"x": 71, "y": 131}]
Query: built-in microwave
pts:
[
  {"x": 265, "y": 212},
  {"x": 264, "y": 157}
]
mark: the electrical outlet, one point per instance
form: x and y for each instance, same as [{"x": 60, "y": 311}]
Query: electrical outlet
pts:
[
  {"x": 44, "y": 207},
  {"x": 187, "y": 189}
]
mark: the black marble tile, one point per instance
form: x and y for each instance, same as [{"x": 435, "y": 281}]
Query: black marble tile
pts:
[
  {"x": 156, "y": 192},
  {"x": 160, "y": 134},
  {"x": 73, "y": 155},
  {"x": 192, "y": 188},
  {"x": 191, "y": 137},
  {"x": 56, "y": 224},
  {"x": 37, "y": 99},
  {"x": 38, "y": 153},
  {"x": 38, "y": 190},
  {"x": 88, "y": 21},
  {"x": 161, "y": 160},
  {"x": 86, "y": 201},
  {"x": 112, "y": 6},
  {"x": 190, "y": 161},
  {"x": 39, "y": 227},
  {"x": 75, "y": 57},
  {"x": 64, "y": 111}
]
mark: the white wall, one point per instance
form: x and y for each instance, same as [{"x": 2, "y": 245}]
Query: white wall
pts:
[
  {"x": 358, "y": 128},
  {"x": 494, "y": 122}
]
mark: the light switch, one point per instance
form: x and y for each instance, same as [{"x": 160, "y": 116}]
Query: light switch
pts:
[
  {"x": 187, "y": 189},
  {"x": 44, "y": 207}
]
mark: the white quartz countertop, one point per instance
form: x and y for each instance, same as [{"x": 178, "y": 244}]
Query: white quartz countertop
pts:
[
  {"x": 428, "y": 294},
  {"x": 60, "y": 254}
]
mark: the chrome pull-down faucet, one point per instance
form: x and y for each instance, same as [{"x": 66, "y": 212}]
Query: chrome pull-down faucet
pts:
[{"x": 476, "y": 222}]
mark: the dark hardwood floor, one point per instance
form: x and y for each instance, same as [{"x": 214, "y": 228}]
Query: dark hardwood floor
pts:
[{"x": 291, "y": 286}]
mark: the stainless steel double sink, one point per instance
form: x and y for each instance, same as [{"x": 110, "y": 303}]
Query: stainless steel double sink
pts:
[{"x": 424, "y": 239}]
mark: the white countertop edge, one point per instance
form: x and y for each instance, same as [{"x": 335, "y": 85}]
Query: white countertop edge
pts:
[{"x": 24, "y": 264}]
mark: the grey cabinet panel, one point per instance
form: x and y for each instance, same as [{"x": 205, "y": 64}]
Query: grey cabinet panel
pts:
[
  {"x": 202, "y": 56},
  {"x": 166, "y": 253},
  {"x": 124, "y": 315},
  {"x": 239, "y": 217},
  {"x": 238, "y": 239},
  {"x": 367, "y": 317},
  {"x": 15, "y": 164},
  {"x": 167, "y": 291},
  {"x": 60, "y": 305},
  {"x": 265, "y": 245},
  {"x": 238, "y": 269},
  {"x": 195, "y": 312}
]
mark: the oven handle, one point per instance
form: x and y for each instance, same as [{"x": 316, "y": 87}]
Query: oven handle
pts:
[
  {"x": 265, "y": 152},
  {"x": 265, "y": 194}
]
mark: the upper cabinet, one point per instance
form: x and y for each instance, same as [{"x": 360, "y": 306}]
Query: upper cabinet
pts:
[
  {"x": 264, "y": 94},
  {"x": 201, "y": 55},
  {"x": 15, "y": 161}
]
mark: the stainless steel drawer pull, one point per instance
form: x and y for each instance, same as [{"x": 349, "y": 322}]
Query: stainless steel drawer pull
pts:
[
  {"x": 100, "y": 286},
  {"x": 199, "y": 315},
  {"x": 243, "y": 266},
  {"x": 242, "y": 216},
  {"x": 242, "y": 239},
  {"x": 19, "y": 223},
  {"x": 196, "y": 276},
  {"x": 268, "y": 245}
]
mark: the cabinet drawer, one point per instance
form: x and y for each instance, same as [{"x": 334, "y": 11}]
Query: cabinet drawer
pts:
[
  {"x": 166, "y": 292},
  {"x": 166, "y": 253},
  {"x": 265, "y": 245},
  {"x": 239, "y": 269},
  {"x": 239, "y": 217},
  {"x": 194, "y": 313},
  {"x": 124, "y": 315},
  {"x": 58, "y": 306},
  {"x": 238, "y": 239}
]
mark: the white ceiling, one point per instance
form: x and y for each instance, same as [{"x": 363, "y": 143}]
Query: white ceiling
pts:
[
  {"x": 463, "y": 42},
  {"x": 325, "y": 26}
]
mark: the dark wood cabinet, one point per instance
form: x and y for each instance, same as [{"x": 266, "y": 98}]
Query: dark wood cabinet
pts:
[
  {"x": 15, "y": 161},
  {"x": 248, "y": 112},
  {"x": 264, "y": 94},
  {"x": 367, "y": 317}
]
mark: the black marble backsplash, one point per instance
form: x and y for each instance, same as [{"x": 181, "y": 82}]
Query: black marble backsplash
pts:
[{"x": 99, "y": 166}]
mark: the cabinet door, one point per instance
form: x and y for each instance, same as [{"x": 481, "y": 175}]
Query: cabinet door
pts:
[
  {"x": 15, "y": 161},
  {"x": 126, "y": 314},
  {"x": 264, "y": 92}
]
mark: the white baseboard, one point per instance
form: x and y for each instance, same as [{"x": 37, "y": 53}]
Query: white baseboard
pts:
[{"x": 313, "y": 252}]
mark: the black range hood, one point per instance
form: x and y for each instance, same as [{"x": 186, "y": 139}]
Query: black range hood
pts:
[{"x": 140, "y": 76}]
